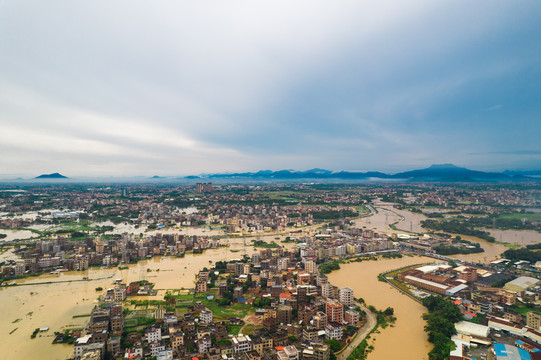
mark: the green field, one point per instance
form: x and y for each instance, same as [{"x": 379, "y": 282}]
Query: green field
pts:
[
  {"x": 520, "y": 216},
  {"x": 219, "y": 312}
]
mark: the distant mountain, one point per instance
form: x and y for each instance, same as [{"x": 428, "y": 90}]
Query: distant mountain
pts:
[
  {"x": 157, "y": 177},
  {"x": 291, "y": 174},
  {"x": 449, "y": 172},
  {"x": 523, "y": 173},
  {"x": 51, "y": 176},
  {"x": 437, "y": 172}
]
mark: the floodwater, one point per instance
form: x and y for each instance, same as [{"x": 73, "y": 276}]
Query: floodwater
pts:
[
  {"x": 17, "y": 234},
  {"x": 55, "y": 304},
  {"x": 405, "y": 220},
  {"x": 519, "y": 237},
  {"x": 407, "y": 339}
]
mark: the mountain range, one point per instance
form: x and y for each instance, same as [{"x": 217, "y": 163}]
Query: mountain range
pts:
[{"x": 437, "y": 172}]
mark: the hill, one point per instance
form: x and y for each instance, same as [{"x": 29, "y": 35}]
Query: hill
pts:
[{"x": 51, "y": 176}]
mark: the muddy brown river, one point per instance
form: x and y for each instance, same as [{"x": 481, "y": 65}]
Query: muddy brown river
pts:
[{"x": 407, "y": 339}]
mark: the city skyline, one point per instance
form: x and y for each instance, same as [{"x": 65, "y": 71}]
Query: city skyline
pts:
[{"x": 129, "y": 89}]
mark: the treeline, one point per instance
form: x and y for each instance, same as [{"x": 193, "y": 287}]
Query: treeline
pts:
[
  {"x": 263, "y": 244},
  {"x": 329, "y": 267},
  {"x": 523, "y": 254},
  {"x": 502, "y": 222},
  {"x": 333, "y": 214},
  {"x": 453, "y": 250},
  {"x": 441, "y": 318},
  {"x": 457, "y": 227}
]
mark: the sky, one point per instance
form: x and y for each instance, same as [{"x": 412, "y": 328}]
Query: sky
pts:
[{"x": 127, "y": 88}]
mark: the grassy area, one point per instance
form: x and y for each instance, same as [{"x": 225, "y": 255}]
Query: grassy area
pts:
[
  {"x": 234, "y": 329},
  {"x": 249, "y": 328},
  {"x": 522, "y": 309},
  {"x": 219, "y": 312},
  {"x": 132, "y": 323},
  {"x": 520, "y": 216},
  {"x": 224, "y": 312}
]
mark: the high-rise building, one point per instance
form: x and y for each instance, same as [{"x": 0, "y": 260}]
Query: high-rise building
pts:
[
  {"x": 284, "y": 314},
  {"x": 335, "y": 311},
  {"x": 346, "y": 296},
  {"x": 310, "y": 266},
  {"x": 203, "y": 187},
  {"x": 533, "y": 320}
]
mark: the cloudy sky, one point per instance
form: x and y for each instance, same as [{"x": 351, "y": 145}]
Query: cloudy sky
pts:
[{"x": 93, "y": 88}]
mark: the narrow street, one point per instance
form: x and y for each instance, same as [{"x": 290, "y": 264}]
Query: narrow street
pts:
[{"x": 361, "y": 333}]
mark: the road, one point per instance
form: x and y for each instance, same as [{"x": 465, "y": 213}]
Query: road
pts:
[{"x": 362, "y": 333}]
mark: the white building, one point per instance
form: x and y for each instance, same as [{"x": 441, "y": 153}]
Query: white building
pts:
[
  {"x": 340, "y": 250},
  {"x": 154, "y": 335},
  {"x": 205, "y": 316},
  {"x": 288, "y": 353},
  {"x": 310, "y": 266},
  {"x": 346, "y": 296},
  {"x": 156, "y": 348},
  {"x": 333, "y": 331},
  {"x": 242, "y": 343},
  {"x": 327, "y": 290}
]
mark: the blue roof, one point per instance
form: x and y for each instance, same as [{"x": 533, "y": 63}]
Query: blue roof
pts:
[
  {"x": 500, "y": 349},
  {"x": 524, "y": 355},
  {"x": 510, "y": 352}
]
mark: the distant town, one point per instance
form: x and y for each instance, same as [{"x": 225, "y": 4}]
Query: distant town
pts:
[{"x": 469, "y": 253}]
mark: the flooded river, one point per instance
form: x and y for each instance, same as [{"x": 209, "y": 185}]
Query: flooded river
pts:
[
  {"x": 407, "y": 339},
  {"x": 387, "y": 214}
]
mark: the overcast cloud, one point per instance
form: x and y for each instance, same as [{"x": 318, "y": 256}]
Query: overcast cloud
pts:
[{"x": 175, "y": 88}]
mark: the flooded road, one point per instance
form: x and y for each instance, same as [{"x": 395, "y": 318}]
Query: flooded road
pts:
[{"x": 407, "y": 339}]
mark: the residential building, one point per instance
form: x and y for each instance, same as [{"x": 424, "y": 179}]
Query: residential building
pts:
[
  {"x": 242, "y": 343},
  {"x": 346, "y": 296},
  {"x": 334, "y": 311}
]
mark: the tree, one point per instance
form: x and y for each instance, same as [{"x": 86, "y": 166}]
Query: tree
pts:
[{"x": 334, "y": 344}]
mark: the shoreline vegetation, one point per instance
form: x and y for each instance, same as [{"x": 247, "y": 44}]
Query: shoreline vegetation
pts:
[
  {"x": 384, "y": 318},
  {"x": 455, "y": 226}
]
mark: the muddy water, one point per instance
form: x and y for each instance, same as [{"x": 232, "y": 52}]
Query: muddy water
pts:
[
  {"x": 16, "y": 234},
  {"x": 407, "y": 220},
  {"x": 492, "y": 250},
  {"x": 387, "y": 214},
  {"x": 55, "y": 304},
  {"x": 407, "y": 339},
  {"x": 518, "y": 237}
]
